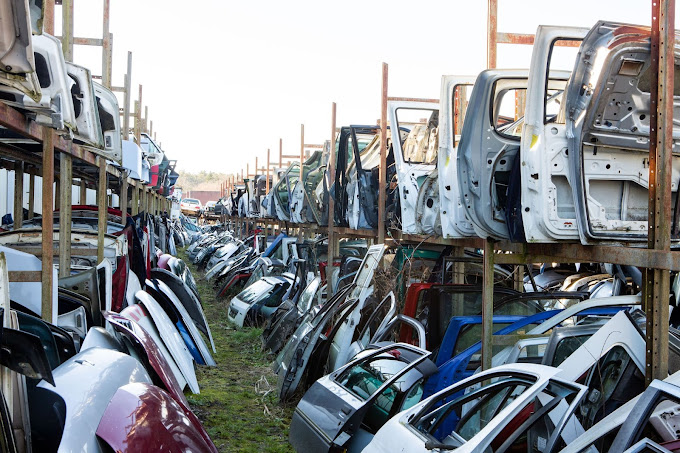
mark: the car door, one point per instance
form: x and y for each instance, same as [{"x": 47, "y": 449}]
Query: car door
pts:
[
  {"x": 88, "y": 129},
  {"x": 415, "y": 156},
  {"x": 453, "y": 104},
  {"x": 608, "y": 107},
  {"x": 340, "y": 346},
  {"x": 547, "y": 204},
  {"x": 16, "y": 47}
]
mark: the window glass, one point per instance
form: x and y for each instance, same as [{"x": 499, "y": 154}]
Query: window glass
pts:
[
  {"x": 366, "y": 377},
  {"x": 614, "y": 381},
  {"x": 307, "y": 298},
  {"x": 275, "y": 296},
  {"x": 254, "y": 291},
  {"x": 460, "y": 102},
  {"x": 562, "y": 57},
  {"x": 362, "y": 279},
  {"x": 540, "y": 417},
  {"x": 460, "y": 413},
  {"x": 602, "y": 443},
  {"x": 532, "y": 353},
  {"x": 422, "y": 142},
  {"x": 566, "y": 347},
  {"x": 508, "y": 110}
]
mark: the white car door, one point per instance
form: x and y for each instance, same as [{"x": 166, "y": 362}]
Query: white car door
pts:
[
  {"x": 546, "y": 193},
  {"x": 415, "y": 158},
  {"x": 18, "y": 61},
  {"x": 453, "y": 102},
  {"x": 340, "y": 347}
]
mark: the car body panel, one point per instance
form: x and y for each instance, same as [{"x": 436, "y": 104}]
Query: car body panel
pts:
[
  {"x": 335, "y": 407},
  {"x": 54, "y": 108},
  {"x": 87, "y": 127},
  {"x": 339, "y": 352},
  {"x": 547, "y": 202},
  {"x": 187, "y": 298},
  {"x": 143, "y": 347},
  {"x": 171, "y": 337},
  {"x": 609, "y": 131},
  {"x": 454, "y": 90},
  {"x": 18, "y": 61},
  {"x": 153, "y": 422},
  {"x": 422, "y": 141},
  {"x": 185, "y": 318},
  {"x": 105, "y": 371},
  {"x": 399, "y": 435}
]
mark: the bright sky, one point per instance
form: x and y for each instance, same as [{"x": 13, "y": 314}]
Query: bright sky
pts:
[{"x": 225, "y": 79}]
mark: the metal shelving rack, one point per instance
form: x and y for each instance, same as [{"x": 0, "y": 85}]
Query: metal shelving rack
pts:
[
  {"x": 657, "y": 259},
  {"x": 53, "y": 158}
]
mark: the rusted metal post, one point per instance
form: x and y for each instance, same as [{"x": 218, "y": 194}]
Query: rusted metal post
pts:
[
  {"x": 382, "y": 178},
  {"x": 656, "y": 283},
  {"x": 146, "y": 119},
  {"x": 31, "y": 196},
  {"x": 491, "y": 34},
  {"x": 151, "y": 128},
  {"x": 123, "y": 197},
  {"x": 102, "y": 208},
  {"x": 18, "y": 194},
  {"x": 137, "y": 127},
  {"x": 48, "y": 17},
  {"x": 106, "y": 47},
  {"x": 126, "y": 98},
  {"x": 65, "y": 181},
  {"x": 487, "y": 304},
  {"x": 83, "y": 192},
  {"x": 47, "y": 218},
  {"x": 134, "y": 207},
  {"x": 280, "y": 152},
  {"x": 332, "y": 237},
  {"x": 67, "y": 29},
  {"x": 268, "y": 162},
  {"x": 302, "y": 148}
]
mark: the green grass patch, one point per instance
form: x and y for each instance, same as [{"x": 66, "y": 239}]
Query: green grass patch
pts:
[{"x": 237, "y": 403}]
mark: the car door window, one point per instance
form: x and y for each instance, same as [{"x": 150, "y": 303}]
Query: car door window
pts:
[
  {"x": 532, "y": 428},
  {"x": 566, "y": 347},
  {"x": 612, "y": 382},
  {"x": 459, "y": 414}
]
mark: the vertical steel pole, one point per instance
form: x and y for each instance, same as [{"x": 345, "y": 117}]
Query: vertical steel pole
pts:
[
  {"x": 280, "y": 152},
  {"x": 332, "y": 237},
  {"x": 66, "y": 181},
  {"x": 382, "y": 191},
  {"x": 18, "y": 194},
  {"x": 491, "y": 34},
  {"x": 268, "y": 165},
  {"x": 656, "y": 283},
  {"x": 126, "y": 99},
  {"x": 134, "y": 208},
  {"x": 123, "y": 197},
  {"x": 31, "y": 195},
  {"x": 302, "y": 148},
  {"x": 48, "y": 17},
  {"x": 67, "y": 29},
  {"x": 102, "y": 210},
  {"x": 487, "y": 304},
  {"x": 106, "y": 47},
  {"x": 82, "y": 198},
  {"x": 47, "y": 221}
]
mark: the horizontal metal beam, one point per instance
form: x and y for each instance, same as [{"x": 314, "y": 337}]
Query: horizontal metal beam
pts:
[
  {"x": 25, "y": 276},
  {"x": 576, "y": 253},
  {"x": 400, "y": 99},
  {"x": 523, "y": 38}
]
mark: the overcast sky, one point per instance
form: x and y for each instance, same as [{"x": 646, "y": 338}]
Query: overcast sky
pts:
[{"x": 224, "y": 79}]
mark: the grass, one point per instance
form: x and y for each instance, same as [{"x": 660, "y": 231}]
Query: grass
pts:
[{"x": 237, "y": 403}]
